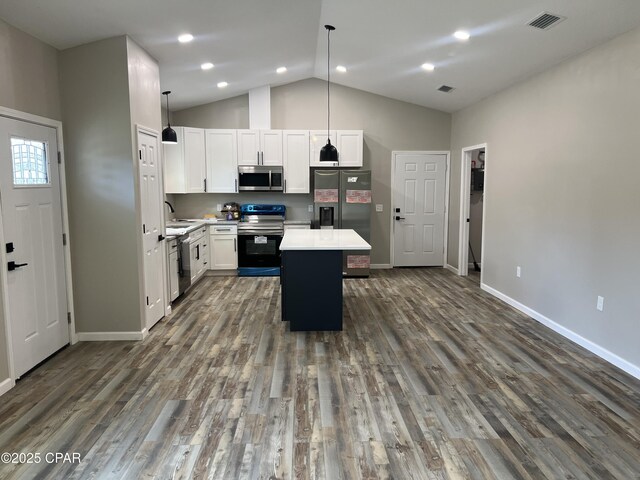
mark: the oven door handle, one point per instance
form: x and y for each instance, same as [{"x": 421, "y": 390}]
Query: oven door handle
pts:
[{"x": 262, "y": 233}]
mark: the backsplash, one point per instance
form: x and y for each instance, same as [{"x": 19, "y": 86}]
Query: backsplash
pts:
[{"x": 197, "y": 205}]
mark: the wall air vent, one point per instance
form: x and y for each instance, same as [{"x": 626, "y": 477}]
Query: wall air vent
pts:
[
  {"x": 445, "y": 88},
  {"x": 545, "y": 20}
]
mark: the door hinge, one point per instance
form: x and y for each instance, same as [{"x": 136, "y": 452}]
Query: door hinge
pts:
[
  {"x": 144, "y": 228},
  {"x": 69, "y": 318},
  {"x": 59, "y": 158},
  {"x": 140, "y": 154},
  {"x": 147, "y": 301},
  {"x": 64, "y": 239}
]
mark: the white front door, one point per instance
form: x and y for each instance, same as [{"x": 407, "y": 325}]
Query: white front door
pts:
[
  {"x": 152, "y": 228},
  {"x": 32, "y": 228},
  {"x": 418, "y": 209}
]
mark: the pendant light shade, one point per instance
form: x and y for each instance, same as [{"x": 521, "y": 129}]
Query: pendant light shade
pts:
[
  {"x": 169, "y": 134},
  {"x": 329, "y": 153}
]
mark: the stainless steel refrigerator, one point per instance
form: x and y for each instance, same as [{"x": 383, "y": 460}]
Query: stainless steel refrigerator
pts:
[{"x": 342, "y": 199}]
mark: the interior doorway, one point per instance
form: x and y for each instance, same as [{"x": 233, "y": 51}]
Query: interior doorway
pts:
[{"x": 472, "y": 211}]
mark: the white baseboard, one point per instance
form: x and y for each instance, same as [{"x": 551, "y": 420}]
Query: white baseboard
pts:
[
  {"x": 594, "y": 348},
  {"x": 380, "y": 266},
  {"x": 6, "y": 385},
  {"x": 111, "y": 336},
  {"x": 452, "y": 269}
]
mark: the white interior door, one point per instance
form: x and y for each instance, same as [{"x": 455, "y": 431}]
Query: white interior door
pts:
[
  {"x": 418, "y": 202},
  {"x": 32, "y": 227},
  {"x": 152, "y": 228}
]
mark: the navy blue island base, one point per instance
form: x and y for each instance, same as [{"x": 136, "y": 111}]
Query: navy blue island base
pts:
[{"x": 311, "y": 289}]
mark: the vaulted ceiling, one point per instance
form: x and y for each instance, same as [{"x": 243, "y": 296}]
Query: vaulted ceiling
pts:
[{"x": 382, "y": 43}]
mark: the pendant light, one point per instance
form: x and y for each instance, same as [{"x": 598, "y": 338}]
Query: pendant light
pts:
[
  {"x": 168, "y": 134},
  {"x": 329, "y": 153}
]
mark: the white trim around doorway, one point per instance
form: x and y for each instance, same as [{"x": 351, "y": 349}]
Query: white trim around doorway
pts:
[
  {"x": 465, "y": 205},
  {"x": 57, "y": 125}
]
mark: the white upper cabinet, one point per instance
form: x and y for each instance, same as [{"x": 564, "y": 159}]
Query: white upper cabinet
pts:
[
  {"x": 222, "y": 160},
  {"x": 296, "y": 161},
  {"x": 349, "y": 147},
  {"x": 259, "y": 147},
  {"x": 248, "y": 147},
  {"x": 317, "y": 140},
  {"x": 184, "y": 163},
  {"x": 348, "y": 143}
]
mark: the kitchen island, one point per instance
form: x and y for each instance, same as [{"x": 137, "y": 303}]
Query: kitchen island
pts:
[{"x": 311, "y": 276}]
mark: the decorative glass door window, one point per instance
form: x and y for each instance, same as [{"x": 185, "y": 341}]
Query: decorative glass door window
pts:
[{"x": 30, "y": 164}]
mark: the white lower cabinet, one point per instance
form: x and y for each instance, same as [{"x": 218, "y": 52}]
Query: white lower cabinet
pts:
[
  {"x": 174, "y": 269},
  {"x": 197, "y": 254},
  {"x": 223, "y": 247}
]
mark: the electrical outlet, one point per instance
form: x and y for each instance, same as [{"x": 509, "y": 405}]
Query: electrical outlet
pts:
[
  {"x": 219, "y": 207},
  {"x": 518, "y": 271},
  {"x": 600, "y": 303},
  {"x": 310, "y": 208},
  {"x": 379, "y": 207}
]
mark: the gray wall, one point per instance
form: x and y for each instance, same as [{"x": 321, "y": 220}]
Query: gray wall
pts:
[
  {"x": 562, "y": 192},
  {"x": 100, "y": 178},
  {"x": 28, "y": 74},
  {"x": 387, "y": 124},
  {"x": 29, "y": 83}
]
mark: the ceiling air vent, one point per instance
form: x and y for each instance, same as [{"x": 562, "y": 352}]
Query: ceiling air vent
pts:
[
  {"x": 445, "y": 88},
  {"x": 545, "y": 21}
]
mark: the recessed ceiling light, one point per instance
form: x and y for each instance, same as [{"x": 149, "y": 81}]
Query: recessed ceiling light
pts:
[
  {"x": 206, "y": 66},
  {"x": 429, "y": 67},
  {"x": 341, "y": 68},
  {"x": 185, "y": 38},
  {"x": 462, "y": 35},
  {"x": 281, "y": 69},
  {"x": 222, "y": 84}
]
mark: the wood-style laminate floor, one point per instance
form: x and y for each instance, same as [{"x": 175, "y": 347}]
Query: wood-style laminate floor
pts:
[{"x": 430, "y": 379}]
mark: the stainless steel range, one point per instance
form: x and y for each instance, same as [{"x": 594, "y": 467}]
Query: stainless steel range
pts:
[{"x": 260, "y": 232}]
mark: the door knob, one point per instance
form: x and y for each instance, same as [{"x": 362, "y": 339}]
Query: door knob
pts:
[
  {"x": 398, "y": 217},
  {"x": 13, "y": 265}
]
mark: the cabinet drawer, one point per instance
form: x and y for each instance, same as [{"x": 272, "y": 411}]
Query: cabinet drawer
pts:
[{"x": 223, "y": 230}]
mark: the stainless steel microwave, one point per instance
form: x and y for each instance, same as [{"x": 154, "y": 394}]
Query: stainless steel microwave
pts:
[{"x": 261, "y": 178}]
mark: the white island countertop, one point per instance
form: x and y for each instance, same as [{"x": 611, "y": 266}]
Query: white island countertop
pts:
[{"x": 323, "y": 239}]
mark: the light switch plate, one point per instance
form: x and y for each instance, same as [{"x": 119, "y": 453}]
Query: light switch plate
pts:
[
  {"x": 600, "y": 303},
  {"x": 310, "y": 208},
  {"x": 379, "y": 207},
  {"x": 219, "y": 207}
]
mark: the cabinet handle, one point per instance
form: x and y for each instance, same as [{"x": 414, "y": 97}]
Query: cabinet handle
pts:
[
  {"x": 198, "y": 252},
  {"x": 236, "y": 184},
  {"x": 235, "y": 248},
  {"x": 205, "y": 184},
  {"x": 284, "y": 190},
  {"x": 262, "y": 156}
]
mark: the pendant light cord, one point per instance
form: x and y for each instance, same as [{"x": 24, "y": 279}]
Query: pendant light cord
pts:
[
  {"x": 328, "y": 83},
  {"x": 166, "y": 94}
]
